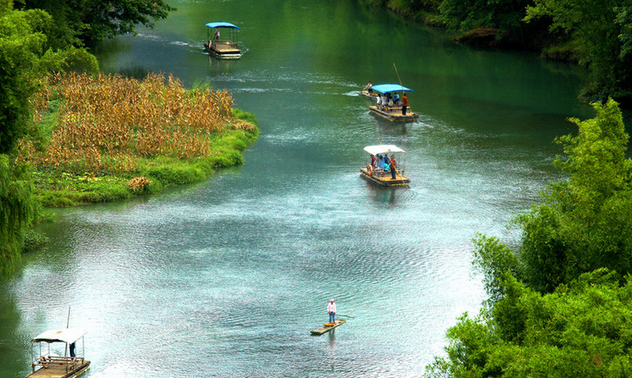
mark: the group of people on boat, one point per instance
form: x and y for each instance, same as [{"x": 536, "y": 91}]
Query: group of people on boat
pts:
[
  {"x": 386, "y": 102},
  {"x": 384, "y": 164}
]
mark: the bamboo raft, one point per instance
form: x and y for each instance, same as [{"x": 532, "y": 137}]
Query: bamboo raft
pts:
[
  {"x": 60, "y": 367},
  {"x": 384, "y": 178},
  {"x": 224, "y": 49},
  {"x": 393, "y": 113},
  {"x": 327, "y": 327}
]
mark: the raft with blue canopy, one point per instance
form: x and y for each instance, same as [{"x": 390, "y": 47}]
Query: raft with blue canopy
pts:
[
  {"x": 388, "y": 88},
  {"x": 222, "y": 48},
  {"x": 391, "y": 107}
]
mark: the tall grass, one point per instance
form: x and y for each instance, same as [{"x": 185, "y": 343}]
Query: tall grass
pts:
[
  {"x": 109, "y": 125},
  {"x": 106, "y": 123}
]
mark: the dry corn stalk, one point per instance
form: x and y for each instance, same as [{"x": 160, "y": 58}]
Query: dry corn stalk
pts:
[{"x": 105, "y": 121}]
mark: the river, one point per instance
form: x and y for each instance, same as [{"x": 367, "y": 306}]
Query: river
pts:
[{"x": 228, "y": 276}]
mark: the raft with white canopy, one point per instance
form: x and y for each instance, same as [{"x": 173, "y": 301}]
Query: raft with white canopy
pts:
[
  {"x": 58, "y": 356},
  {"x": 376, "y": 172}
]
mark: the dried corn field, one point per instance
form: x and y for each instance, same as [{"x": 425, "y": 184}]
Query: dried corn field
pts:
[{"x": 106, "y": 123}]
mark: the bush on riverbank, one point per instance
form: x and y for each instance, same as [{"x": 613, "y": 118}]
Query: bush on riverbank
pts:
[{"x": 108, "y": 138}]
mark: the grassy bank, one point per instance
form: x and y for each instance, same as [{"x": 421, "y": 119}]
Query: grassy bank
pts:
[{"x": 109, "y": 138}]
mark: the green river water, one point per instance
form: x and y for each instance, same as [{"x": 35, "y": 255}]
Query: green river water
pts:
[{"x": 228, "y": 276}]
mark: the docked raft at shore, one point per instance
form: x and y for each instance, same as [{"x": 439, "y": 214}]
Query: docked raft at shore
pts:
[{"x": 327, "y": 327}]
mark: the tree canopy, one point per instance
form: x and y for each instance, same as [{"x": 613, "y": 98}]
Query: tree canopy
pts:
[
  {"x": 91, "y": 21},
  {"x": 583, "y": 329},
  {"x": 603, "y": 36},
  {"x": 24, "y": 57},
  {"x": 561, "y": 305},
  {"x": 584, "y": 223}
]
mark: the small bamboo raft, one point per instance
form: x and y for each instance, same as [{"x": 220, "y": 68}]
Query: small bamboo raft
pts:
[
  {"x": 394, "y": 113},
  {"x": 60, "y": 367},
  {"x": 327, "y": 327}
]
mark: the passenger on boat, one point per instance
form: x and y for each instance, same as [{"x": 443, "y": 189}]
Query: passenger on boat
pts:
[
  {"x": 331, "y": 310},
  {"x": 373, "y": 161},
  {"x": 393, "y": 167},
  {"x": 404, "y": 103},
  {"x": 217, "y": 34},
  {"x": 369, "y": 88},
  {"x": 381, "y": 101}
]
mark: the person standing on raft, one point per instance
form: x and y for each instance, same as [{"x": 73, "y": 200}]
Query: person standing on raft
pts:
[
  {"x": 393, "y": 167},
  {"x": 331, "y": 310},
  {"x": 404, "y": 103}
]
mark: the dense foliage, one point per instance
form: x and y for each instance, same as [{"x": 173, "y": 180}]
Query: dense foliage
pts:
[
  {"x": 24, "y": 58},
  {"x": 17, "y": 211},
  {"x": 90, "y": 21},
  {"x": 560, "y": 306},
  {"x": 21, "y": 62},
  {"x": 583, "y": 329},
  {"x": 602, "y": 34},
  {"x": 596, "y": 33},
  {"x": 585, "y": 222}
]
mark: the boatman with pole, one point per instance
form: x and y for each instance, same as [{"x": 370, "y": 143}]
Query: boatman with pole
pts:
[
  {"x": 404, "y": 103},
  {"x": 331, "y": 310}
]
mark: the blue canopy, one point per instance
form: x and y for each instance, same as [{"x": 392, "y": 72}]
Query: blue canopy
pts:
[
  {"x": 386, "y": 88},
  {"x": 221, "y": 25}
]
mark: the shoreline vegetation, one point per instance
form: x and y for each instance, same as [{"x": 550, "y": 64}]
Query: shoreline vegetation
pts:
[
  {"x": 593, "y": 36},
  {"x": 74, "y": 139},
  {"x": 107, "y": 137}
]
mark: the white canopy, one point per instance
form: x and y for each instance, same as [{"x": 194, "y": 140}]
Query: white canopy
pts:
[
  {"x": 382, "y": 149},
  {"x": 64, "y": 335}
]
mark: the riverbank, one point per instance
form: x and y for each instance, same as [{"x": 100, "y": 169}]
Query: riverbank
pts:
[{"x": 109, "y": 138}]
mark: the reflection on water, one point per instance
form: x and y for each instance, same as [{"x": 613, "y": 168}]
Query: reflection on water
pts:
[
  {"x": 383, "y": 195},
  {"x": 227, "y": 277}
]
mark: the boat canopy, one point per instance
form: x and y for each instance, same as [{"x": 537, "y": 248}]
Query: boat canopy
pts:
[
  {"x": 383, "y": 149},
  {"x": 386, "y": 88},
  {"x": 221, "y": 25},
  {"x": 64, "y": 335}
]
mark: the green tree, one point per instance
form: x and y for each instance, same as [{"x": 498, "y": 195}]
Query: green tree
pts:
[
  {"x": 95, "y": 20},
  {"x": 582, "y": 329},
  {"x": 470, "y": 14},
  {"x": 17, "y": 212},
  {"x": 561, "y": 306},
  {"x": 24, "y": 59},
  {"x": 602, "y": 34},
  {"x": 585, "y": 222}
]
